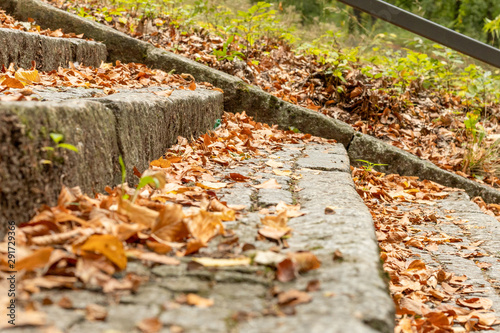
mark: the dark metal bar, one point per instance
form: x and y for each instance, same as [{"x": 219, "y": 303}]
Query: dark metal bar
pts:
[{"x": 428, "y": 29}]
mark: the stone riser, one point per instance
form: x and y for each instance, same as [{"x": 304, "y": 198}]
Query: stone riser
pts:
[
  {"x": 138, "y": 126},
  {"x": 49, "y": 53}
]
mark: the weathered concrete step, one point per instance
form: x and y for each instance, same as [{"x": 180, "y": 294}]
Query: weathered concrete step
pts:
[
  {"x": 137, "y": 125},
  {"x": 239, "y": 96},
  {"x": 49, "y": 53},
  {"x": 352, "y": 298}
]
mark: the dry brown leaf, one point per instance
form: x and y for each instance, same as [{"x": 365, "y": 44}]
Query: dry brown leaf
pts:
[
  {"x": 150, "y": 325},
  {"x": 137, "y": 214},
  {"x": 293, "y": 297},
  {"x": 476, "y": 303},
  {"x": 211, "y": 262},
  {"x": 286, "y": 270},
  {"x": 169, "y": 225},
  {"x": 305, "y": 261},
  {"x": 36, "y": 259},
  {"x": 95, "y": 312},
  {"x": 198, "y": 301}
]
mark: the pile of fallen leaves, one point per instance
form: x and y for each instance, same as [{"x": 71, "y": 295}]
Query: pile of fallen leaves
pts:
[
  {"x": 18, "y": 85},
  {"x": 83, "y": 241},
  {"x": 8, "y": 22},
  {"x": 425, "y": 122},
  {"x": 427, "y": 299}
]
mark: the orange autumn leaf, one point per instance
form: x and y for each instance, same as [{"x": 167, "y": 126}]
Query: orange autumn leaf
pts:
[
  {"x": 198, "y": 301},
  {"x": 12, "y": 83},
  {"x": 416, "y": 265},
  {"x": 37, "y": 259},
  {"x": 238, "y": 177},
  {"x": 192, "y": 86},
  {"x": 27, "y": 77},
  {"x": 150, "y": 325},
  {"x": 109, "y": 246},
  {"x": 204, "y": 225}
]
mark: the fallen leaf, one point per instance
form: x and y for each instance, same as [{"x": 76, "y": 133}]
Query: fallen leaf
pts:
[
  {"x": 475, "y": 303},
  {"x": 305, "y": 261},
  {"x": 293, "y": 297},
  {"x": 169, "y": 224},
  {"x": 109, "y": 246},
  {"x": 286, "y": 270},
  {"x": 211, "y": 185},
  {"x": 95, "y": 312},
  {"x": 37, "y": 259},
  {"x": 150, "y": 325},
  {"x": 274, "y": 164},
  {"x": 201, "y": 302},
  {"x": 211, "y": 262},
  {"x": 278, "y": 172},
  {"x": 271, "y": 183}
]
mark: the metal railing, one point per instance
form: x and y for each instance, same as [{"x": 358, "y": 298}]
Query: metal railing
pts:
[{"x": 428, "y": 29}]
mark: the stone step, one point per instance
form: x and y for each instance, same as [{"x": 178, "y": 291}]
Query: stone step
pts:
[
  {"x": 239, "y": 96},
  {"x": 137, "y": 124},
  {"x": 49, "y": 53},
  {"x": 352, "y": 295}
]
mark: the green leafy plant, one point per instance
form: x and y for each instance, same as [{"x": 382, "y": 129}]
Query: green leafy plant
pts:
[
  {"x": 143, "y": 182},
  {"x": 479, "y": 156},
  {"x": 368, "y": 167}
]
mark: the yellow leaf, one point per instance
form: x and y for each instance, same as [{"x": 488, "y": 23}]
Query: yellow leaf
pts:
[
  {"x": 27, "y": 77},
  {"x": 109, "y": 246},
  {"x": 282, "y": 172}
]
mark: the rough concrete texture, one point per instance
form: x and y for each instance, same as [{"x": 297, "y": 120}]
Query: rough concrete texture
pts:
[
  {"x": 353, "y": 296},
  {"x": 137, "y": 125},
  {"x": 49, "y": 53},
  {"x": 239, "y": 96},
  {"x": 478, "y": 243},
  {"x": 398, "y": 161}
]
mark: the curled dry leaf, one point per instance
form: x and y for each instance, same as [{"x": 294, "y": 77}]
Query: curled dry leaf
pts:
[
  {"x": 169, "y": 225},
  {"x": 150, "y": 325},
  {"x": 95, "y": 312},
  {"x": 286, "y": 270},
  {"x": 137, "y": 214},
  {"x": 305, "y": 261},
  {"x": 475, "y": 303},
  {"x": 293, "y": 297}
]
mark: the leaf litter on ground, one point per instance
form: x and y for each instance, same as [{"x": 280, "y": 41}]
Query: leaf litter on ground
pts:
[
  {"x": 427, "y": 298},
  {"x": 83, "y": 241},
  {"x": 426, "y": 122}
]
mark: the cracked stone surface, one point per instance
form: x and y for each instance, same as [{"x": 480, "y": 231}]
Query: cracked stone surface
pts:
[
  {"x": 459, "y": 217},
  {"x": 353, "y": 296}
]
